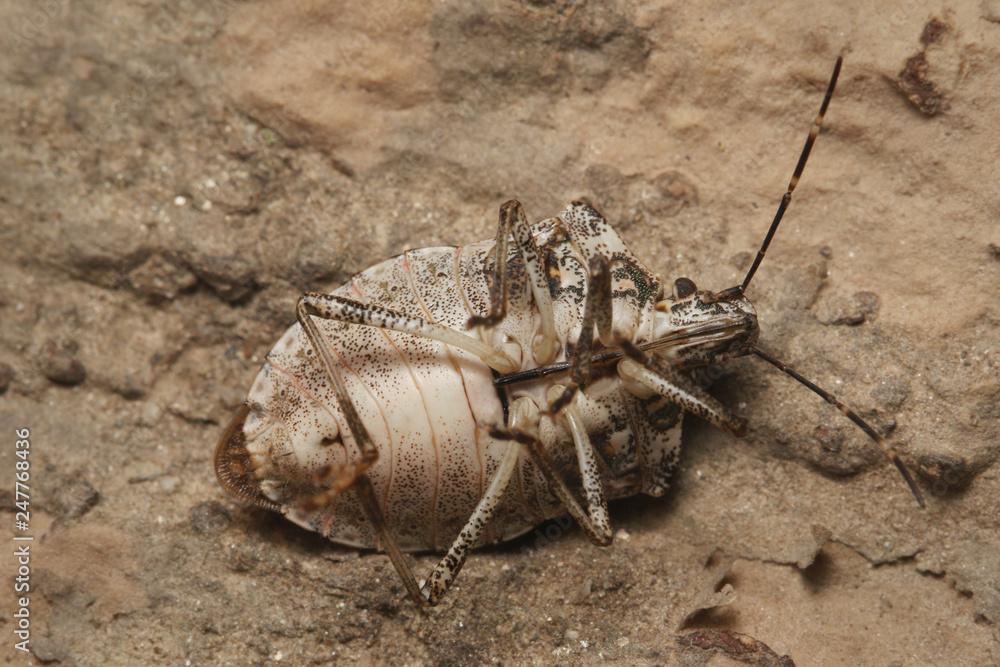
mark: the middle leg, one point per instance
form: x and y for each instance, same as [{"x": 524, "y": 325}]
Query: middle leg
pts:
[{"x": 594, "y": 520}]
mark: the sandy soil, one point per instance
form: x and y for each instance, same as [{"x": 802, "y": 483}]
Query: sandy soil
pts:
[{"x": 173, "y": 175}]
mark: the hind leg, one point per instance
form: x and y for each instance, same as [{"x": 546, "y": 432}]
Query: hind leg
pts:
[{"x": 353, "y": 474}]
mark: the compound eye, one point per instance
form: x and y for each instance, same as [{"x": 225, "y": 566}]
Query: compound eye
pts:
[{"x": 684, "y": 287}]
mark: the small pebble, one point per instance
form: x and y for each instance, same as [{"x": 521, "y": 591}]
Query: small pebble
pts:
[
  {"x": 209, "y": 518},
  {"x": 149, "y": 413},
  {"x": 59, "y": 364},
  {"x": 945, "y": 473},
  {"x": 6, "y": 375}
]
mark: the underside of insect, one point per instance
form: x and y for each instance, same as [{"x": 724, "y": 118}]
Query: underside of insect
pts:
[{"x": 458, "y": 396}]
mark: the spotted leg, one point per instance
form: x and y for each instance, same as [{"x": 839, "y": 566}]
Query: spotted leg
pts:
[
  {"x": 447, "y": 569},
  {"x": 332, "y": 307},
  {"x": 598, "y": 528},
  {"x": 656, "y": 374},
  {"x": 597, "y": 311},
  {"x": 513, "y": 221},
  {"x": 593, "y": 520}
]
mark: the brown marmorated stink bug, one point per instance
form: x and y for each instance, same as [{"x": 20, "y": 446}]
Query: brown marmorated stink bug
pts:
[{"x": 453, "y": 397}]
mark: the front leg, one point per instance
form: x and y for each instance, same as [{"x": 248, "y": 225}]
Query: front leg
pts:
[
  {"x": 596, "y": 311},
  {"x": 656, "y": 374}
]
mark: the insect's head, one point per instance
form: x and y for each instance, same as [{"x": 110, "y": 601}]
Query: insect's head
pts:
[
  {"x": 712, "y": 326},
  {"x": 701, "y": 328}
]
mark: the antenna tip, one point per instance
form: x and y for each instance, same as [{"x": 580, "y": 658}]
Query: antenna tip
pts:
[{"x": 909, "y": 481}]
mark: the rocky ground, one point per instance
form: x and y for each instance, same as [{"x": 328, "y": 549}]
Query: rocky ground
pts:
[{"x": 173, "y": 175}]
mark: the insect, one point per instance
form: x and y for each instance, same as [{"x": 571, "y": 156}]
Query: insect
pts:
[{"x": 452, "y": 397}]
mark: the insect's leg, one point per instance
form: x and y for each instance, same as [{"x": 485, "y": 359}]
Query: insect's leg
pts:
[
  {"x": 353, "y": 474},
  {"x": 545, "y": 346},
  {"x": 331, "y": 307},
  {"x": 593, "y": 520},
  {"x": 656, "y": 374},
  {"x": 343, "y": 477},
  {"x": 498, "y": 290},
  {"x": 597, "y": 310},
  {"x": 448, "y": 568},
  {"x": 593, "y": 488},
  {"x": 523, "y": 414}
]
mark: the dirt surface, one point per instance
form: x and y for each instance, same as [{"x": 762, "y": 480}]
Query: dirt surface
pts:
[{"x": 173, "y": 175}]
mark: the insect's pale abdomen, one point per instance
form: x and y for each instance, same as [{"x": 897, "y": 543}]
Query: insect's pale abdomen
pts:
[
  {"x": 426, "y": 406},
  {"x": 441, "y": 456}
]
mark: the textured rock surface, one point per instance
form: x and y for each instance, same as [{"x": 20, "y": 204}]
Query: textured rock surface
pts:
[{"x": 174, "y": 174}]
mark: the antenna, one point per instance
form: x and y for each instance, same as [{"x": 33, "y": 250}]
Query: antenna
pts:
[
  {"x": 738, "y": 290},
  {"x": 787, "y": 198},
  {"x": 853, "y": 416}
]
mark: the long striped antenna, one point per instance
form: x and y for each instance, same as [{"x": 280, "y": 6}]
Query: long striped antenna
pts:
[
  {"x": 738, "y": 290},
  {"x": 853, "y": 416}
]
